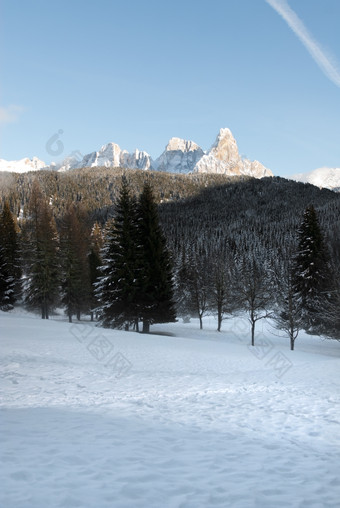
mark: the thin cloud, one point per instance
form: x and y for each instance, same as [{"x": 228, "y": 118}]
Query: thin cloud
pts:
[
  {"x": 324, "y": 61},
  {"x": 10, "y": 114}
]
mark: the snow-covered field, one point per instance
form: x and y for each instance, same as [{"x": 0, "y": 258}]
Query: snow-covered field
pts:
[{"x": 101, "y": 418}]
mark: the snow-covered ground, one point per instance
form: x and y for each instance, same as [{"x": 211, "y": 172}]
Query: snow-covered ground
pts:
[{"x": 101, "y": 418}]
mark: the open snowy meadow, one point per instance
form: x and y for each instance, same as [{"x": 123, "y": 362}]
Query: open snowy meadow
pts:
[{"x": 180, "y": 418}]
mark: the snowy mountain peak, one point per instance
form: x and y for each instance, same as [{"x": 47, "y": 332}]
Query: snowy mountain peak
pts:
[
  {"x": 224, "y": 158},
  {"x": 112, "y": 156},
  {"x": 110, "y": 148},
  {"x": 179, "y": 156},
  {"x": 224, "y": 132},
  {"x": 328, "y": 178},
  {"x": 22, "y": 165},
  {"x": 181, "y": 144},
  {"x": 225, "y": 147}
]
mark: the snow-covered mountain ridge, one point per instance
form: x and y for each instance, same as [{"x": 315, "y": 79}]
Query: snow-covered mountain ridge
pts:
[
  {"x": 327, "y": 178},
  {"x": 22, "y": 165},
  {"x": 179, "y": 156}
]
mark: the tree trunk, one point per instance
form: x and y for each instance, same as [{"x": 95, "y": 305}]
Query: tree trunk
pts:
[
  {"x": 91, "y": 315},
  {"x": 253, "y": 333},
  {"x": 44, "y": 311},
  {"x": 146, "y": 326},
  {"x": 201, "y": 322},
  {"x": 291, "y": 331},
  {"x": 78, "y": 315},
  {"x": 219, "y": 320},
  {"x": 70, "y": 318}
]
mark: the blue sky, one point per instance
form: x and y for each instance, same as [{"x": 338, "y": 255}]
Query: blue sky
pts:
[{"x": 140, "y": 72}]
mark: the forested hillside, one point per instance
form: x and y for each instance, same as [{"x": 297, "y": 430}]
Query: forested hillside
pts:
[
  {"x": 97, "y": 189},
  {"x": 232, "y": 241},
  {"x": 271, "y": 201},
  {"x": 259, "y": 216}
]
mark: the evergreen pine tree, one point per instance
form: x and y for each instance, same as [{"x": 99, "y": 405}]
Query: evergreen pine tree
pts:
[
  {"x": 330, "y": 311},
  {"x": 117, "y": 285},
  {"x": 155, "y": 282},
  {"x": 6, "y": 283},
  {"x": 95, "y": 263},
  {"x": 10, "y": 271},
  {"x": 312, "y": 278},
  {"x": 42, "y": 263},
  {"x": 183, "y": 286},
  {"x": 75, "y": 264}
]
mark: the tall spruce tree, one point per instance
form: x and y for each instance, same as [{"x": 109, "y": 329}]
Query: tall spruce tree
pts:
[
  {"x": 330, "y": 311},
  {"x": 183, "y": 286},
  {"x": 76, "y": 293},
  {"x": 116, "y": 289},
  {"x": 10, "y": 270},
  {"x": 42, "y": 262},
  {"x": 95, "y": 262},
  {"x": 155, "y": 280},
  {"x": 6, "y": 283},
  {"x": 312, "y": 275}
]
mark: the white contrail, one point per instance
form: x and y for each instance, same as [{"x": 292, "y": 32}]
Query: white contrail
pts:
[{"x": 295, "y": 23}]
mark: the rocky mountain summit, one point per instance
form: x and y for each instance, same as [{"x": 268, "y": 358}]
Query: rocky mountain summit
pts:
[
  {"x": 224, "y": 158},
  {"x": 179, "y": 156},
  {"x": 112, "y": 156}
]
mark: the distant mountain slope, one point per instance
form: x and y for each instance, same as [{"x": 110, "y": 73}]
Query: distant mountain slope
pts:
[
  {"x": 328, "y": 178},
  {"x": 22, "y": 165}
]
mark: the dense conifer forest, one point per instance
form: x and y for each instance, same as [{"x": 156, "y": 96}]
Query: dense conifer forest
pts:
[
  {"x": 97, "y": 189},
  {"x": 233, "y": 242}
]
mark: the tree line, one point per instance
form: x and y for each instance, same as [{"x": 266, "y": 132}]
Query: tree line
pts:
[
  {"x": 298, "y": 292},
  {"x": 226, "y": 249},
  {"x": 97, "y": 189},
  {"x": 122, "y": 274}
]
